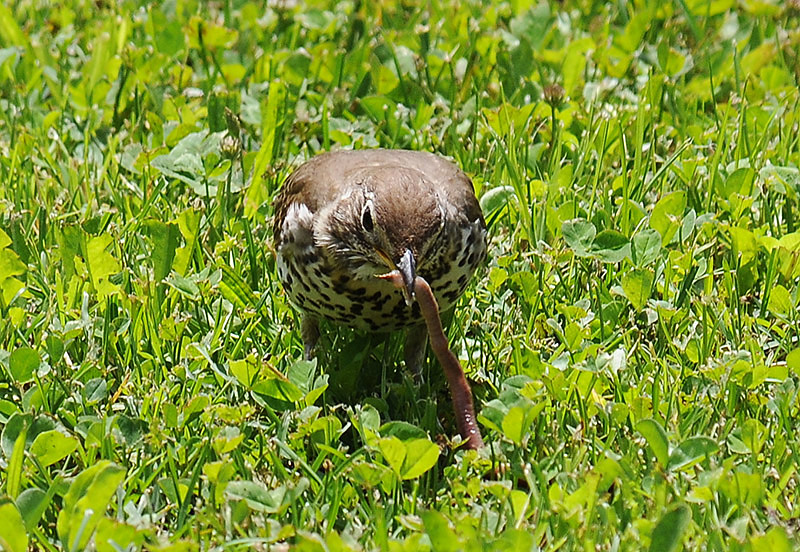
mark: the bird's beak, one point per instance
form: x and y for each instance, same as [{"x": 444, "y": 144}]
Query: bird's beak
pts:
[
  {"x": 408, "y": 270},
  {"x": 403, "y": 275}
]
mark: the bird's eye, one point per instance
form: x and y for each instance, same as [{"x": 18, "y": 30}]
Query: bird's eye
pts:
[{"x": 366, "y": 218}]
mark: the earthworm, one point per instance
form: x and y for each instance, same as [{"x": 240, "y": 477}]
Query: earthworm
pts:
[{"x": 459, "y": 388}]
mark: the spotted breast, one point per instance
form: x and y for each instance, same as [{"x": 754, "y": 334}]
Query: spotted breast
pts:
[{"x": 342, "y": 219}]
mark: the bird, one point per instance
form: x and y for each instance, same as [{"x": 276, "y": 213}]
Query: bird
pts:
[{"x": 343, "y": 219}]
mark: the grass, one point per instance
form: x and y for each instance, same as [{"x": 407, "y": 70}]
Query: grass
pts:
[{"x": 632, "y": 341}]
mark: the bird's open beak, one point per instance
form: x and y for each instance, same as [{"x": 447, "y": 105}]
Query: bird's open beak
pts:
[{"x": 406, "y": 269}]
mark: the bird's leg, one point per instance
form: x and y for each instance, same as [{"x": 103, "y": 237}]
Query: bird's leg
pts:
[
  {"x": 415, "y": 349},
  {"x": 309, "y": 331}
]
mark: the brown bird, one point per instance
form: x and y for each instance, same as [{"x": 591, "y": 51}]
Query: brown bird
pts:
[{"x": 343, "y": 219}]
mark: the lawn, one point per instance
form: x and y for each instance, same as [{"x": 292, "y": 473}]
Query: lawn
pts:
[{"x": 632, "y": 340}]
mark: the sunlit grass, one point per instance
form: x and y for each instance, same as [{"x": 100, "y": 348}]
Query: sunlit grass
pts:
[{"x": 632, "y": 340}]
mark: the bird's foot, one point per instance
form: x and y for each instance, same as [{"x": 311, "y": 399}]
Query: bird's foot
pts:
[
  {"x": 309, "y": 331},
  {"x": 415, "y": 350}
]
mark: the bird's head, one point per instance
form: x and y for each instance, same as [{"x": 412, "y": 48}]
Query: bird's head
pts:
[{"x": 390, "y": 222}]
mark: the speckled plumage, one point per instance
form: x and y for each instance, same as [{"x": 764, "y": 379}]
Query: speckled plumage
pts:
[{"x": 343, "y": 218}]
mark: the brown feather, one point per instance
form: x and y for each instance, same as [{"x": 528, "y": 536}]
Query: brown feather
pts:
[{"x": 325, "y": 177}]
